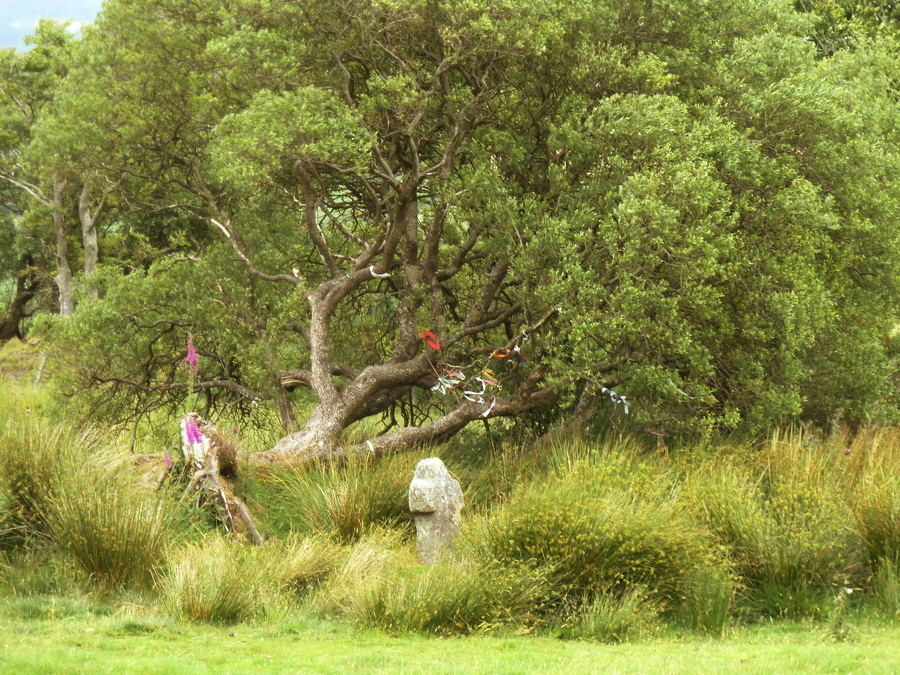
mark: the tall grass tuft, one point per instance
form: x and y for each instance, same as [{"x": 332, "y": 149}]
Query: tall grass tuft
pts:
[
  {"x": 221, "y": 582},
  {"x": 367, "y": 562},
  {"x": 309, "y": 562},
  {"x": 886, "y": 588},
  {"x": 612, "y": 617},
  {"x": 115, "y": 532},
  {"x": 709, "y": 594},
  {"x": 344, "y": 499},
  {"x": 449, "y": 597},
  {"x": 784, "y": 517},
  {"x": 65, "y": 488},
  {"x": 34, "y": 460}
]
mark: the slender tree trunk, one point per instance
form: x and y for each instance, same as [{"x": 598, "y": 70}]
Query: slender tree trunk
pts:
[
  {"x": 64, "y": 272},
  {"x": 88, "y": 235}
]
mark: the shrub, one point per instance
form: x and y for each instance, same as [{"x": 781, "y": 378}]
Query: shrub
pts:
[
  {"x": 593, "y": 535},
  {"x": 449, "y": 597}
]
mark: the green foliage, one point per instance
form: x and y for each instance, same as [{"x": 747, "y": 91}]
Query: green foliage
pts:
[
  {"x": 709, "y": 595},
  {"x": 787, "y": 525},
  {"x": 368, "y": 561},
  {"x": 632, "y": 164},
  {"x": 310, "y": 562},
  {"x": 886, "y": 587},
  {"x": 35, "y": 461},
  {"x": 116, "y": 532}
]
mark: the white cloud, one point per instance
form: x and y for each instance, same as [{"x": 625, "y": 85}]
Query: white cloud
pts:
[
  {"x": 76, "y": 26},
  {"x": 25, "y": 24}
]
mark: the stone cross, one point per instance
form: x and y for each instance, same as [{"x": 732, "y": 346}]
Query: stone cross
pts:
[{"x": 435, "y": 499}]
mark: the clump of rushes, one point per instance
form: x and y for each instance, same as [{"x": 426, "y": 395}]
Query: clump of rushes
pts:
[
  {"x": 367, "y": 563},
  {"x": 788, "y": 532},
  {"x": 34, "y": 459},
  {"x": 217, "y": 581},
  {"x": 345, "y": 500},
  {"x": 451, "y": 596},
  {"x": 113, "y": 531},
  {"x": 612, "y": 616}
]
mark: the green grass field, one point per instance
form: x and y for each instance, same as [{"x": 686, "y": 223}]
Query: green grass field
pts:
[{"x": 79, "y": 641}]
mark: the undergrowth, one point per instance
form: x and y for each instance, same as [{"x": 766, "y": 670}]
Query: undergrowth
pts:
[{"x": 580, "y": 538}]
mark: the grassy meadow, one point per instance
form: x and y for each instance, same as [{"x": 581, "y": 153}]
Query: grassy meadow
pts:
[{"x": 580, "y": 554}]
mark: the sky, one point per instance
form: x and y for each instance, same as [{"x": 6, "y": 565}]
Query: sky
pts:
[{"x": 19, "y": 17}]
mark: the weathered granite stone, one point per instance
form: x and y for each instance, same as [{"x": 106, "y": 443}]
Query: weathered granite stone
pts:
[{"x": 435, "y": 499}]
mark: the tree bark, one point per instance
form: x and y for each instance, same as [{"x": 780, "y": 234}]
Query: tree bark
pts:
[
  {"x": 88, "y": 235},
  {"x": 27, "y": 287},
  {"x": 63, "y": 271}
]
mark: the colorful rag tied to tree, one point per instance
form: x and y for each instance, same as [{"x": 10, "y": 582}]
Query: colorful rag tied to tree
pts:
[
  {"x": 615, "y": 398},
  {"x": 431, "y": 340}
]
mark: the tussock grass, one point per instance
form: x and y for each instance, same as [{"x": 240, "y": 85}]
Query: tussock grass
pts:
[
  {"x": 612, "y": 617},
  {"x": 786, "y": 517},
  {"x": 344, "y": 499},
  {"x": 709, "y": 597},
  {"x": 580, "y": 538},
  {"x": 115, "y": 534},
  {"x": 367, "y": 562},
  {"x": 35, "y": 460},
  {"x": 64, "y": 488},
  {"x": 452, "y": 596},
  {"x": 217, "y": 581},
  {"x": 885, "y": 588},
  {"x": 310, "y": 561}
]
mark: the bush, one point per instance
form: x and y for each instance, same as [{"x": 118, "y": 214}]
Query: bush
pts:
[{"x": 593, "y": 535}]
